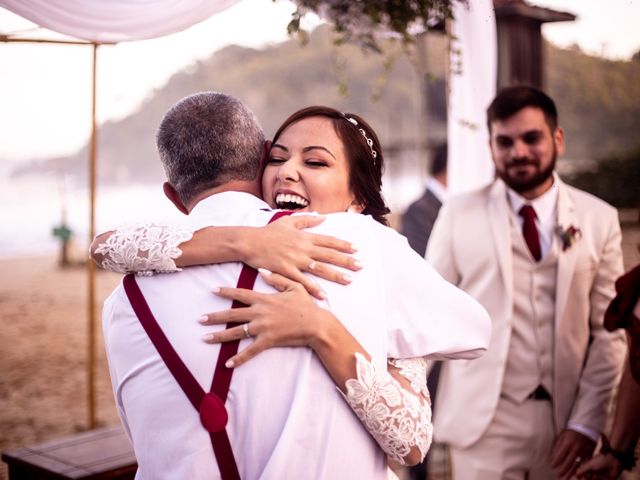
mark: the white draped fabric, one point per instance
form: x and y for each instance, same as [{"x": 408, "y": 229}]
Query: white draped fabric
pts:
[
  {"x": 116, "y": 20},
  {"x": 472, "y": 87}
]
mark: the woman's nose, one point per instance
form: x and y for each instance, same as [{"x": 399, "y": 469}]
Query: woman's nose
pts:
[{"x": 288, "y": 172}]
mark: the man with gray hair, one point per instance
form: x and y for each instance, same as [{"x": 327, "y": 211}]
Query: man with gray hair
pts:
[{"x": 283, "y": 416}]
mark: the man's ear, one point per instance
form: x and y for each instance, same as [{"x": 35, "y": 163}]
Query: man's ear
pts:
[
  {"x": 558, "y": 139},
  {"x": 172, "y": 195},
  {"x": 266, "y": 148}
]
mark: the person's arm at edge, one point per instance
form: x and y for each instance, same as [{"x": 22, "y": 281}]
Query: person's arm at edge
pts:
[{"x": 624, "y": 433}]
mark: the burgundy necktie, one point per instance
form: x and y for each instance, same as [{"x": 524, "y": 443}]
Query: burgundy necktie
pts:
[{"x": 530, "y": 231}]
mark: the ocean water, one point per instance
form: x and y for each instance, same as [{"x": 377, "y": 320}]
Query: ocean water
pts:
[{"x": 32, "y": 206}]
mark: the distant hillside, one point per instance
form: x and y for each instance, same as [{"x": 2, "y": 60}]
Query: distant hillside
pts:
[
  {"x": 599, "y": 100},
  {"x": 274, "y": 82}
]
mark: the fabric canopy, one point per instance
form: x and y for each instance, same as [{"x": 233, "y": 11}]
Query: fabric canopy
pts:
[{"x": 112, "y": 21}]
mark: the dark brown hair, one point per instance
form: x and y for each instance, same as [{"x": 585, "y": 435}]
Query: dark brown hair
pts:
[
  {"x": 365, "y": 170},
  {"x": 511, "y": 100}
]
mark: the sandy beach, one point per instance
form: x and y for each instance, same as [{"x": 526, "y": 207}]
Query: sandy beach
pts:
[
  {"x": 43, "y": 376},
  {"x": 43, "y": 349}
]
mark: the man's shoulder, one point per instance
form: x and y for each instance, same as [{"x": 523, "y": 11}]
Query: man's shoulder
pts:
[
  {"x": 588, "y": 202},
  {"x": 428, "y": 201},
  {"x": 473, "y": 198}
]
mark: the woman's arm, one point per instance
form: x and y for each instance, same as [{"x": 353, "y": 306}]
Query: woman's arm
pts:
[
  {"x": 282, "y": 246},
  {"x": 143, "y": 249},
  {"x": 392, "y": 403}
]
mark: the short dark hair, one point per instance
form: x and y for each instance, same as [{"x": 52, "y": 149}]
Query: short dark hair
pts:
[
  {"x": 206, "y": 140},
  {"x": 365, "y": 171},
  {"x": 438, "y": 163},
  {"x": 511, "y": 100}
]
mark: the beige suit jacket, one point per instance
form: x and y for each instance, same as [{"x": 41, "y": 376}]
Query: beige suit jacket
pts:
[{"x": 471, "y": 247}]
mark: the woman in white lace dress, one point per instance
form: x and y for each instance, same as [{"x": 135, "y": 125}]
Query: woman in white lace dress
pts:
[{"x": 321, "y": 161}]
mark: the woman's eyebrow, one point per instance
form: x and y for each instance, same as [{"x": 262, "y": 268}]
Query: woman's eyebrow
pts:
[
  {"x": 318, "y": 147},
  {"x": 281, "y": 147}
]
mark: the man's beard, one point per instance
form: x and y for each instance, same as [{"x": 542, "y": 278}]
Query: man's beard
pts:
[{"x": 522, "y": 185}]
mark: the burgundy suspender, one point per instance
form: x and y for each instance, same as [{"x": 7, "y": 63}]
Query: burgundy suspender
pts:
[{"x": 213, "y": 414}]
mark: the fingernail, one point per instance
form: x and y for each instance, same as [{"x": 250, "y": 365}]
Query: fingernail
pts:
[
  {"x": 346, "y": 278},
  {"x": 357, "y": 264},
  {"x": 208, "y": 337},
  {"x": 203, "y": 319},
  {"x": 229, "y": 364},
  {"x": 215, "y": 290},
  {"x": 264, "y": 272},
  {"x": 322, "y": 294},
  {"x": 354, "y": 247}
]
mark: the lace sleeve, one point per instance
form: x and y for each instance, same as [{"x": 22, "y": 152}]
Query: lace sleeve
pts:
[
  {"x": 398, "y": 418},
  {"x": 143, "y": 249}
]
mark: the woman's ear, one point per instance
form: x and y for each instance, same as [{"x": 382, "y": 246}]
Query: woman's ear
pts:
[{"x": 355, "y": 207}]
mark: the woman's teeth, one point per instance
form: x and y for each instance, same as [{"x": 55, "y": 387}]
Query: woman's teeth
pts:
[{"x": 289, "y": 201}]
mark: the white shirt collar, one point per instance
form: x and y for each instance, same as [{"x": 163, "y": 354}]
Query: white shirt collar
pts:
[
  {"x": 438, "y": 189},
  {"x": 223, "y": 209},
  {"x": 545, "y": 205}
]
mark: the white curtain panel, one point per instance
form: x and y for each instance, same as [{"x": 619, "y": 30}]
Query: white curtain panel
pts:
[
  {"x": 473, "y": 78},
  {"x": 116, "y": 20}
]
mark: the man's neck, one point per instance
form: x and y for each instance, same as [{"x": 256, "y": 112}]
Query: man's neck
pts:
[
  {"x": 538, "y": 190},
  {"x": 250, "y": 187}
]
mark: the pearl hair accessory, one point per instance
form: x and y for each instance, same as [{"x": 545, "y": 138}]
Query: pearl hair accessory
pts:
[{"x": 352, "y": 120}]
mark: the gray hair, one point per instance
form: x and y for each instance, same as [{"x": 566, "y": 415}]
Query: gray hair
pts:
[{"x": 208, "y": 139}]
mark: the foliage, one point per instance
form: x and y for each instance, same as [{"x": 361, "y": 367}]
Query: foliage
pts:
[
  {"x": 598, "y": 101},
  {"x": 615, "y": 179},
  {"x": 358, "y": 21}
]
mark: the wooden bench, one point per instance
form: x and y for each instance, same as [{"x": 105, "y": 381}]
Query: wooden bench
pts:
[{"x": 96, "y": 454}]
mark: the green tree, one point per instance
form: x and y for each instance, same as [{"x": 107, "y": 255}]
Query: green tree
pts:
[
  {"x": 359, "y": 21},
  {"x": 616, "y": 179}
]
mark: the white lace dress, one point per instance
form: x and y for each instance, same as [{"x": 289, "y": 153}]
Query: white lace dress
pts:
[{"x": 398, "y": 418}]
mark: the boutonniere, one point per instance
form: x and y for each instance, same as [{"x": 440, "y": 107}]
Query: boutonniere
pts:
[{"x": 568, "y": 236}]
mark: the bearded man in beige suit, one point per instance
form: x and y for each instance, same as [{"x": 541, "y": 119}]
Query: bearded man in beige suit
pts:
[{"x": 542, "y": 258}]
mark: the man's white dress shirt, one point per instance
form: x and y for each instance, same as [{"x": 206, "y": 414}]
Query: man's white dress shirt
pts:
[{"x": 286, "y": 417}]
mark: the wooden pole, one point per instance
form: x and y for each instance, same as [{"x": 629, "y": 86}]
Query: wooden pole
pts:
[{"x": 91, "y": 291}]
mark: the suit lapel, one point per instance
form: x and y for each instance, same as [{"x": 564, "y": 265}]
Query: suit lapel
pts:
[
  {"x": 498, "y": 211},
  {"x": 566, "y": 258}
]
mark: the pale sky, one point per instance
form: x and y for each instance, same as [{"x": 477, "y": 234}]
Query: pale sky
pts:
[{"x": 45, "y": 90}]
